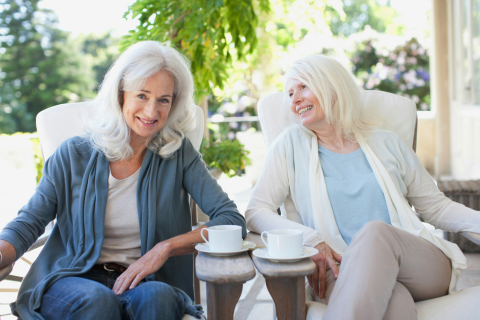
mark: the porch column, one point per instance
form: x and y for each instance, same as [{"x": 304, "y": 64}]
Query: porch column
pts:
[{"x": 439, "y": 87}]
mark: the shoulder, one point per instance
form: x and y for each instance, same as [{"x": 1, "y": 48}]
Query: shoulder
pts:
[
  {"x": 74, "y": 149},
  {"x": 185, "y": 154},
  {"x": 293, "y": 136},
  {"x": 387, "y": 142},
  {"x": 77, "y": 145}
]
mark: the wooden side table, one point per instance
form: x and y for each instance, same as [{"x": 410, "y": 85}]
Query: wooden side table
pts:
[
  {"x": 225, "y": 277},
  {"x": 285, "y": 282}
]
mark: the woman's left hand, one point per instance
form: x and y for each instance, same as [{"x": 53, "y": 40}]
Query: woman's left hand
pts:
[{"x": 150, "y": 263}]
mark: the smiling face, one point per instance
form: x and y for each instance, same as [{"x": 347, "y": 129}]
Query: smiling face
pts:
[
  {"x": 146, "y": 110},
  {"x": 305, "y": 105}
]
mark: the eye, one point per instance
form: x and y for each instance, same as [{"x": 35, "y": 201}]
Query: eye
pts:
[
  {"x": 290, "y": 94},
  {"x": 141, "y": 96},
  {"x": 303, "y": 87},
  {"x": 164, "y": 100}
]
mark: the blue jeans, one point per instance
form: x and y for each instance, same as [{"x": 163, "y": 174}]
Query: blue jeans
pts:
[{"x": 91, "y": 297}]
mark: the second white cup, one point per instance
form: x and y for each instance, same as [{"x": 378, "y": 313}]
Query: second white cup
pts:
[
  {"x": 284, "y": 243},
  {"x": 226, "y": 238}
]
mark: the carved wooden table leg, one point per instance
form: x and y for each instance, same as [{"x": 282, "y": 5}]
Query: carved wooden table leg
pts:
[
  {"x": 224, "y": 277},
  {"x": 222, "y": 299},
  {"x": 285, "y": 282},
  {"x": 289, "y": 297}
]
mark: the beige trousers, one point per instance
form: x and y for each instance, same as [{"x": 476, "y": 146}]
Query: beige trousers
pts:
[{"x": 383, "y": 273}]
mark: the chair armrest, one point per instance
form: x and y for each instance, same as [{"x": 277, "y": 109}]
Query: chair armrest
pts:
[
  {"x": 271, "y": 269},
  {"x": 474, "y": 237},
  {"x": 224, "y": 277},
  {"x": 255, "y": 238},
  {"x": 198, "y": 225},
  {"x": 286, "y": 284},
  {"x": 4, "y": 272},
  {"x": 230, "y": 269}
]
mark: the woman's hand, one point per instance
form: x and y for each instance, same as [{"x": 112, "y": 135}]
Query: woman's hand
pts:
[
  {"x": 150, "y": 263},
  {"x": 325, "y": 258}
]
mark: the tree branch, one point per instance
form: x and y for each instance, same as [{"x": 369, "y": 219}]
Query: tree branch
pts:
[{"x": 177, "y": 21}]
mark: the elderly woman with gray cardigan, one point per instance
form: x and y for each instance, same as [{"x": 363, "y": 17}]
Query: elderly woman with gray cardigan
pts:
[
  {"x": 351, "y": 183},
  {"x": 122, "y": 246}
]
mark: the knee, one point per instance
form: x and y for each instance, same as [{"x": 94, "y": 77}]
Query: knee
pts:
[
  {"x": 155, "y": 291},
  {"x": 372, "y": 230},
  {"x": 101, "y": 298}
]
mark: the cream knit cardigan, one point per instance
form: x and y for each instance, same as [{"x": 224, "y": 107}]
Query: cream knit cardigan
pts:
[{"x": 292, "y": 175}]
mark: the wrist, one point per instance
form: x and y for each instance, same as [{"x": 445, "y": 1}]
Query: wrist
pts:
[{"x": 167, "y": 247}]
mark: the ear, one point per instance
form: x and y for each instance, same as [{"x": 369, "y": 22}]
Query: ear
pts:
[{"x": 121, "y": 98}]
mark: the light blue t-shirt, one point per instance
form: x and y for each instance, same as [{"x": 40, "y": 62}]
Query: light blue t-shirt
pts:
[{"x": 354, "y": 193}]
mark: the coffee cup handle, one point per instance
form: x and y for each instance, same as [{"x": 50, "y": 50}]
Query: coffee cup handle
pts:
[
  {"x": 263, "y": 240},
  {"x": 201, "y": 233}
]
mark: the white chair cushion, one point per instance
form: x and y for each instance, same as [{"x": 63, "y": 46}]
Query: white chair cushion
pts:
[
  {"x": 399, "y": 113},
  {"x": 57, "y": 124},
  {"x": 315, "y": 310},
  {"x": 463, "y": 305}
]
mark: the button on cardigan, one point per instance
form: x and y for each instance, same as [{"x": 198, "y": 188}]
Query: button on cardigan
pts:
[{"x": 74, "y": 190}]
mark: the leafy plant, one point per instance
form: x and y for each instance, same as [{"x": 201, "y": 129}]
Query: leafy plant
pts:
[
  {"x": 229, "y": 156},
  {"x": 209, "y": 32}
]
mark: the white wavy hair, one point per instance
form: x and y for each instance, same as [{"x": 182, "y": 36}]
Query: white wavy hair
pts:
[
  {"x": 337, "y": 92},
  {"x": 109, "y": 132}
]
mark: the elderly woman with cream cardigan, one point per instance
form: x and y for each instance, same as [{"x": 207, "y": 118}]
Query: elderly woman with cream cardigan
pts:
[{"x": 351, "y": 183}]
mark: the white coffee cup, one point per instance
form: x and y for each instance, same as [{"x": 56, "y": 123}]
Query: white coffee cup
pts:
[
  {"x": 284, "y": 243},
  {"x": 223, "y": 238}
]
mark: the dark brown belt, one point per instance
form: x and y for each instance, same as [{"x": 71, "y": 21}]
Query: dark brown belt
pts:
[{"x": 111, "y": 266}]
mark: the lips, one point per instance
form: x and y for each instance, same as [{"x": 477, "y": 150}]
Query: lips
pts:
[
  {"x": 304, "y": 109},
  {"x": 146, "y": 122}
]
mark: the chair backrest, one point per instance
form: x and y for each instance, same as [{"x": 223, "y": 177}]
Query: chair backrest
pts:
[
  {"x": 399, "y": 114},
  {"x": 57, "y": 124}
]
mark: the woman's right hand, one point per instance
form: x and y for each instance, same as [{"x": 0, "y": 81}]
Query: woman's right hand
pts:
[{"x": 325, "y": 258}]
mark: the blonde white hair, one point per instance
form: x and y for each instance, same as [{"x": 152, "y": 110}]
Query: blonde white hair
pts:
[
  {"x": 337, "y": 92},
  {"x": 109, "y": 131}
]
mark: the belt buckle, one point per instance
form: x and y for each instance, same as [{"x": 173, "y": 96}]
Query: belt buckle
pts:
[{"x": 105, "y": 267}]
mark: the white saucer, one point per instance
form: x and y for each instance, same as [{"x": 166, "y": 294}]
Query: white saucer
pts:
[
  {"x": 263, "y": 253},
  {"x": 203, "y": 247}
]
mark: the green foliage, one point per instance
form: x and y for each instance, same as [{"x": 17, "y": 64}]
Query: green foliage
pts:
[
  {"x": 100, "y": 51},
  {"x": 209, "y": 32},
  {"x": 404, "y": 70},
  {"x": 229, "y": 156},
  {"x": 37, "y": 152},
  {"x": 40, "y": 66},
  {"x": 359, "y": 13}
]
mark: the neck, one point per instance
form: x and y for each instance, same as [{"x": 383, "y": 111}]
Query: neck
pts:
[
  {"x": 328, "y": 135},
  {"x": 139, "y": 147},
  {"x": 333, "y": 139}
]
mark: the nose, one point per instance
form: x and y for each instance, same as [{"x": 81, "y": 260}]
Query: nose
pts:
[
  {"x": 150, "y": 109},
  {"x": 296, "y": 97}
]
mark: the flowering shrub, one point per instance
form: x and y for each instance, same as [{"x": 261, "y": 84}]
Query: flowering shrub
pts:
[{"x": 403, "y": 71}]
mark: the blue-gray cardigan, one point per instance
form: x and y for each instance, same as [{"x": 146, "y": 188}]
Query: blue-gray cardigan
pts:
[{"x": 74, "y": 190}]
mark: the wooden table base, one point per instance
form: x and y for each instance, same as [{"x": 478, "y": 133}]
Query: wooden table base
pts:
[
  {"x": 225, "y": 277},
  {"x": 289, "y": 297},
  {"x": 222, "y": 299}
]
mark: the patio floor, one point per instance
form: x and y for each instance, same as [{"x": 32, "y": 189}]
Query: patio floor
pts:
[{"x": 255, "y": 302}]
